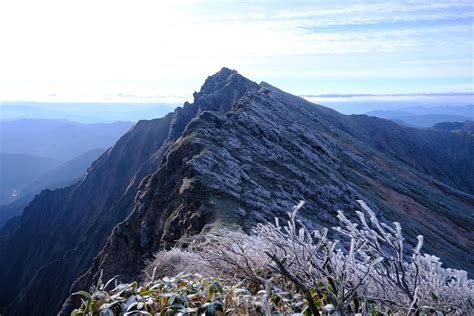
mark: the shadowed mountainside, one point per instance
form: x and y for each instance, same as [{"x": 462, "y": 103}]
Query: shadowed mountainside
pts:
[{"x": 66, "y": 174}]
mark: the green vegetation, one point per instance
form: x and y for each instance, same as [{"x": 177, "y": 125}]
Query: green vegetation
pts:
[{"x": 187, "y": 294}]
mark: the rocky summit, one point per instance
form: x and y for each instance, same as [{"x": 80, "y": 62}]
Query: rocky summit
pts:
[{"x": 240, "y": 154}]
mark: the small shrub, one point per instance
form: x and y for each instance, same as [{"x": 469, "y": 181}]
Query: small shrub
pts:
[
  {"x": 287, "y": 269},
  {"x": 235, "y": 256},
  {"x": 176, "y": 261}
]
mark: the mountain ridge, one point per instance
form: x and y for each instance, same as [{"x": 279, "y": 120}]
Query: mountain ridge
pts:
[
  {"x": 131, "y": 239},
  {"x": 467, "y": 126},
  {"x": 241, "y": 153}
]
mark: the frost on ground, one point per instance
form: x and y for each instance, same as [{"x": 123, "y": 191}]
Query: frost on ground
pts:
[{"x": 284, "y": 268}]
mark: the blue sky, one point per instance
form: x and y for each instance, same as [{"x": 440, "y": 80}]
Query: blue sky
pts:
[{"x": 154, "y": 50}]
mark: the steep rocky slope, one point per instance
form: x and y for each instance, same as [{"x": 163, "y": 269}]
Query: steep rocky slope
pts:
[
  {"x": 239, "y": 154},
  {"x": 272, "y": 149}
]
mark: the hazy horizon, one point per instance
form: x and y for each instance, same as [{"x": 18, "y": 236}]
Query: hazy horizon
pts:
[
  {"x": 125, "y": 110},
  {"x": 163, "y": 51}
]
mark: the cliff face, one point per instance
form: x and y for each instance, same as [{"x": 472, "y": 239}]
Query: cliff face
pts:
[{"x": 241, "y": 153}]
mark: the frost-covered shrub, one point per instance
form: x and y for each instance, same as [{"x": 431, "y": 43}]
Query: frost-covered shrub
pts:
[
  {"x": 404, "y": 279},
  {"x": 377, "y": 272},
  {"x": 176, "y": 261},
  {"x": 286, "y": 268},
  {"x": 321, "y": 271},
  {"x": 446, "y": 290},
  {"x": 235, "y": 256}
]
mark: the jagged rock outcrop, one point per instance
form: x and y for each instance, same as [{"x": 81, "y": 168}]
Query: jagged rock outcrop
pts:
[{"x": 239, "y": 154}]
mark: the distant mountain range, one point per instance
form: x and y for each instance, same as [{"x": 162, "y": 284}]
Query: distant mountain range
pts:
[
  {"x": 37, "y": 154},
  {"x": 17, "y": 170},
  {"x": 240, "y": 154},
  {"x": 84, "y": 112},
  {"x": 61, "y": 175},
  {"x": 467, "y": 126},
  {"x": 423, "y": 117},
  {"x": 467, "y": 110},
  {"x": 57, "y": 139}
]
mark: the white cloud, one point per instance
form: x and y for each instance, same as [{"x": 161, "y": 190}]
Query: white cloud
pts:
[{"x": 158, "y": 40}]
